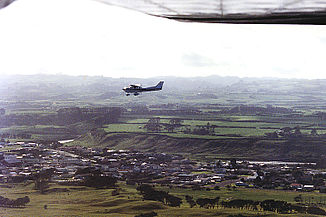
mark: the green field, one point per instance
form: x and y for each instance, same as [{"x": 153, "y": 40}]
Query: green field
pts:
[
  {"x": 225, "y": 126},
  {"x": 39, "y": 132},
  {"x": 84, "y": 201}
]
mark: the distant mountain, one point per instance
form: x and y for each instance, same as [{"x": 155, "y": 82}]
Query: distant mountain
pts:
[{"x": 211, "y": 89}]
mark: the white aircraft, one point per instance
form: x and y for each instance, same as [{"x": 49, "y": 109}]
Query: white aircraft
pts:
[{"x": 136, "y": 89}]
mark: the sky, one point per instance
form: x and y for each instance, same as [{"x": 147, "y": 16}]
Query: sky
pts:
[{"x": 86, "y": 37}]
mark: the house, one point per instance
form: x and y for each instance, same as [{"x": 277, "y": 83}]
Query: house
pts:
[
  {"x": 241, "y": 184},
  {"x": 308, "y": 187},
  {"x": 186, "y": 177},
  {"x": 11, "y": 159},
  {"x": 216, "y": 179},
  {"x": 296, "y": 186}
]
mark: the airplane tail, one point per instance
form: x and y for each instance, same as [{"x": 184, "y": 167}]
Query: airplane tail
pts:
[{"x": 159, "y": 85}]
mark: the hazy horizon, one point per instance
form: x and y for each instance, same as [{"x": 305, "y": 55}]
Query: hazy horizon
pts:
[{"x": 166, "y": 76}]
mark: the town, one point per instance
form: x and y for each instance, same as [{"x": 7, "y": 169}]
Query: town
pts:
[{"x": 22, "y": 161}]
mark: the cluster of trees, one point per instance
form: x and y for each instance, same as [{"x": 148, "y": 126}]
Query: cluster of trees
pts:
[
  {"x": 42, "y": 180},
  {"x": 94, "y": 178},
  {"x": 148, "y": 214},
  {"x": 245, "y": 109},
  {"x": 207, "y": 129},
  {"x": 105, "y": 115},
  {"x": 2, "y": 111},
  {"x": 155, "y": 125},
  {"x": 282, "y": 207},
  {"x": 202, "y": 202},
  {"x": 19, "y": 202},
  {"x": 266, "y": 205},
  {"x": 64, "y": 116},
  {"x": 176, "y": 112},
  {"x": 149, "y": 193},
  {"x": 289, "y": 132},
  {"x": 165, "y": 110},
  {"x": 15, "y": 136},
  {"x": 3, "y": 140},
  {"x": 241, "y": 204},
  {"x": 320, "y": 116},
  {"x": 100, "y": 181},
  {"x": 27, "y": 119}
]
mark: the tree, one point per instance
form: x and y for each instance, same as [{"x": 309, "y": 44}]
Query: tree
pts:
[
  {"x": 70, "y": 115},
  {"x": 173, "y": 124},
  {"x": 297, "y": 131},
  {"x": 149, "y": 214},
  {"x": 153, "y": 125},
  {"x": 272, "y": 135},
  {"x": 115, "y": 192},
  {"x": 42, "y": 179},
  {"x": 88, "y": 170},
  {"x": 316, "y": 211},
  {"x": 201, "y": 130},
  {"x": 21, "y": 201},
  {"x": 99, "y": 181},
  {"x": 313, "y": 132},
  {"x": 190, "y": 200},
  {"x": 286, "y": 131},
  {"x": 298, "y": 198},
  {"x": 210, "y": 128},
  {"x": 233, "y": 163},
  {"x": 173, "y": 200},
  {"x": 149, "y": 193},
  {"x": 207, "y": 202},
  {"x": 176, "y": 121}
]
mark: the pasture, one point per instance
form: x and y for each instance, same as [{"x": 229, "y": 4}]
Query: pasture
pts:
[
  {"x": 84, "y": 201},
  {"x": 221, "y": 125}
]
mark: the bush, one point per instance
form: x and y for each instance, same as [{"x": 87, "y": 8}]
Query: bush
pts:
[
  {"x": 316, "y": 211},
  {"x": 115, "y": 192},
  {"x": 98, "y": 181},
  {"x": 149, "y": 214},
  {"x": 149, "y": 193}
]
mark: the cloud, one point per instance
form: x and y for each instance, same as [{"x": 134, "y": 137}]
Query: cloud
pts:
[
  {"x": 84, "y": 37},
  {"x": 197, "y": 60}
]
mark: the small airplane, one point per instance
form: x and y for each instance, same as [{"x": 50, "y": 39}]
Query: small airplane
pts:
[{"x": 136, "y": 89}]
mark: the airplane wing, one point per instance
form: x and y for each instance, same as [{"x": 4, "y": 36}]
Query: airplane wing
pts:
[
  {"x": 232, "y": 11},
  {"x": 5, "y": 3},
  {"x": 228, "y": 11}
]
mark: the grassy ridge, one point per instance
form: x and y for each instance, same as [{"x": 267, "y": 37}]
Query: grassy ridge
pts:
[
  {"x": 84, "y": 201},
  {"x": 303, "y": 149}
]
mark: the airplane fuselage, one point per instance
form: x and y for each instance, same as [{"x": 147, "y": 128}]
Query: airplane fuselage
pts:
[{"x": 137, "y": 89}]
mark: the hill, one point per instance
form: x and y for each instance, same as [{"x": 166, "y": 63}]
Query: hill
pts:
[
  {"x": 301, "y": 150},
  {"x": 55, "y": 91}
]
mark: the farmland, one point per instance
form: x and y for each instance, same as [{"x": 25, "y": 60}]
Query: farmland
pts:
[
  {"x": 200, "y": 125},
  {"x": 224, "y": 125},
  {"x": 210, "y": 117}
]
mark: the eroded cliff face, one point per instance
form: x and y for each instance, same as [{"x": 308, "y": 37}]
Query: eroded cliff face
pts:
[{"x": 299, "y": 150}]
